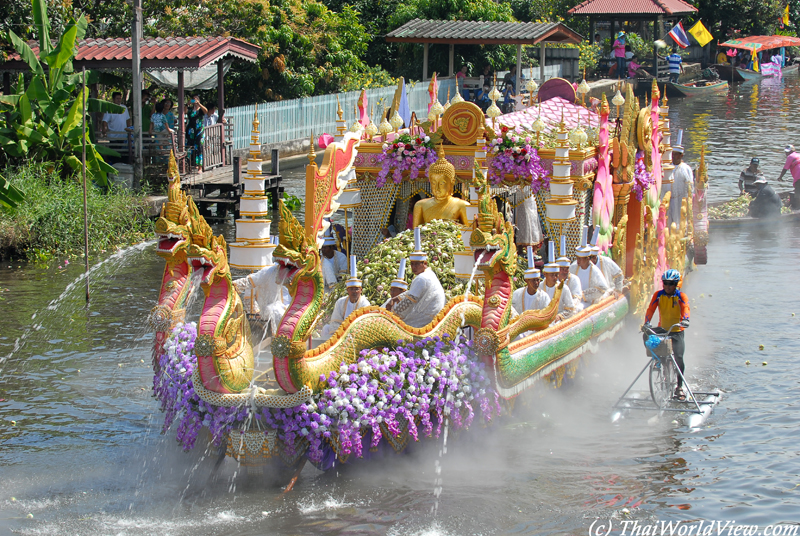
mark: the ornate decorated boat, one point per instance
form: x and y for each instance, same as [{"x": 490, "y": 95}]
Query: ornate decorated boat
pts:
[{"x": 378, "y": 383}]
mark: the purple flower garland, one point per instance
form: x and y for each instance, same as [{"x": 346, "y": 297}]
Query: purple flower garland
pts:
[
  {"x": 409, "y": 153},
  {"x": 513, "y": 154},
  {"x": 642, "y": 179},
  {"x": 409, "y": 387}
]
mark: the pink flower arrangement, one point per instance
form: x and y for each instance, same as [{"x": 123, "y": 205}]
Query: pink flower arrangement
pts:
[
  {"x": 406, "y": 153},
  {"x": 512, "y": 154}
]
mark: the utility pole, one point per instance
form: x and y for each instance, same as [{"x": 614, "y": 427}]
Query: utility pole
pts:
[{"x": 136, "y": 70}]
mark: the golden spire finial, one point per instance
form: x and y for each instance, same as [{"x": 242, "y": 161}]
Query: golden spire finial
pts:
[
  {"x": 311, "y": 154},
  {"x": 339, "y": 111},
  {"x": 655, "y": 91},
  {"x": 604, "y": 108},
  {"x": 664, "y": 100},
  {"x": 255, "y": 120}
]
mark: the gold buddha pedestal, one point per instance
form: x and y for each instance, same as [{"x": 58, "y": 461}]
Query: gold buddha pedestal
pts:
[{"x": 442, "y": 206}]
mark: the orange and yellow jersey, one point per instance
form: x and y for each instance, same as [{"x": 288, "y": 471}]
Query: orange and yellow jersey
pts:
[{"x": 671, "y": 309}]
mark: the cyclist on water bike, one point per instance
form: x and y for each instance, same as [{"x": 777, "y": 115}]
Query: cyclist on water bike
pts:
[{"x": 673, "y": 308}]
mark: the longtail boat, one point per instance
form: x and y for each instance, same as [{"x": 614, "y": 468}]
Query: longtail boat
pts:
[{"x": 696, "y": 89}]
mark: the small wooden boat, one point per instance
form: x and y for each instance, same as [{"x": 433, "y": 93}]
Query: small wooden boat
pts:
[
  {"x": 747, "y": 74},
  {"x": 694, "y": 89},
  {"x": 727, "y": 72},
  {"x": 726, "y": 223}
]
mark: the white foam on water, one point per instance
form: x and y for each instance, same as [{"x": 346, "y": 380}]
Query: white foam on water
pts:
[{"x": 329, "y": 503}]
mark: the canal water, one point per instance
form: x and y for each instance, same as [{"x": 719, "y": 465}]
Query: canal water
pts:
[{"x": 81, "y": 449}]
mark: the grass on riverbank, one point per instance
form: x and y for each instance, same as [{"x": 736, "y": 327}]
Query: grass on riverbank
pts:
[{"x": 49, "y": 222}]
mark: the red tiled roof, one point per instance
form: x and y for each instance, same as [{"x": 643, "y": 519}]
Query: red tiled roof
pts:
[
  {"x": 632, "y": 7},
  {"x": 156, "y": 53},
  {"x": 482, "y": 32}
]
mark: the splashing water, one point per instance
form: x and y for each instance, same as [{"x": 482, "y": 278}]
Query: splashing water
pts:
[{"x": 109, "y": 266}]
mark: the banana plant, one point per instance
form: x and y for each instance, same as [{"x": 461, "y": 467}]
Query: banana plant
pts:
[
  {"x": 46, "y": 117},
  {"x": 9, "y": 195}
]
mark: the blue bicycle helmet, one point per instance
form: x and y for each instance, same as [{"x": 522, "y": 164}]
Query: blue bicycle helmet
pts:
[{"x": 671, "y": 275}]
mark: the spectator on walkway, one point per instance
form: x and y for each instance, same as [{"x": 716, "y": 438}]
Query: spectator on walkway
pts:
[
  {"x": 168, "y": 105},
  {"x": 212, "y": 118},
  {"x": 113, "y": 125},
  {"x": 194, "y": 131}
]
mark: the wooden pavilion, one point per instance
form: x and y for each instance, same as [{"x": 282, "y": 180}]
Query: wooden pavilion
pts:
[
  {"x": 461, "y": 32},
  {"x": 179, "y": 54},
  {"x": 655, "y": 11}
]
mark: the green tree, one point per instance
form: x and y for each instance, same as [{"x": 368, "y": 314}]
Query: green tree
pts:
[
  {"x": 46, "y": 119},
  {"x": 725, "y": 18},
  {"x": 306, "y": 49},
  {"x": 410, "y": 56}
]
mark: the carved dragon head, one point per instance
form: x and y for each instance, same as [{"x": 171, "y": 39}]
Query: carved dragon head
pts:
[
  {"x": 296, "y": 254},
  {"x": 174, "y": 225},
  {"x": 208, "y": 253},
  {"x": 492, "y": 239}
]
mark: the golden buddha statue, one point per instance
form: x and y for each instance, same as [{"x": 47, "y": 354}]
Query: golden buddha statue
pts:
[{"x": 442, "y": 206}]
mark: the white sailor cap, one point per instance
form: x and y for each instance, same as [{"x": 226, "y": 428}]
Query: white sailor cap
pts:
[
  {"x": 353, "y": 281},
  {"x": 584, "y": 250},
  {"x": 563, "y": 260},
  {"x": 399, "y": 281},
  {"x": 418, "y": 254},
  {"x": 594, "y": 247},
  {"x": 533, "y": 273},
  {"x": 678, "y": 147},
  {"x": 551, "y": 267}
]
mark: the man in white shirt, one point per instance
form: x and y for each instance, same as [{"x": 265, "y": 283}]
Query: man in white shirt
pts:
[
  {"x": 420, "y": 304},
  {"x": 566, "y": 305},
  {"x": 610, "y": 269},
  {"x": 564, "y": 274},
  {"x": 271, "y": 296},
  {"x": 345, "y": 305},
  {"x": 682, "y": 184},
  {"x": 333, "y": 263},
  {"x": 592, "y": 281},
  {"x": 530, "y": 297},
  {"x": 114, "y": 125}
]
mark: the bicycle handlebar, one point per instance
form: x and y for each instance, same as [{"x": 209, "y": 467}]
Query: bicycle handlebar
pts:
[{"x": 648, "y": 329}]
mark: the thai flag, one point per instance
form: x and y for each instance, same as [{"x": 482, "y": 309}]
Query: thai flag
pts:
[{"x": 678, "y": 34}]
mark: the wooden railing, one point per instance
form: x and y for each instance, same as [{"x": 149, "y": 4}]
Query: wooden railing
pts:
[
  {"x": 214, "y": 146},
  {"x": 155, "y": 150}
]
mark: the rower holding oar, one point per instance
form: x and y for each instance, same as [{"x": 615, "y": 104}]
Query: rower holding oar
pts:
[{"x": 530, "y": 297}]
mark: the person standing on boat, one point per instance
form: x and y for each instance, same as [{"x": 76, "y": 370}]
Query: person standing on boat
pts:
[
  {"x": 673, "y": 308},
  {"x": 423, "y": 300},
  {"x": 767, "y": 203},
  {"x": 748, "y": 178},
  {"x": 333, "y": 262},
  {"x": 611, "y": 270},
  {"x": 530, "y": 297},
  {"x": 399, "y": 284},
  {"x": 346, "y": 304},
  {"x": 675, "y": 65},
  {"x": 682, "y": 182},
  {"x": 792, "y": 165},
  {"x": 566, "y": 305}
]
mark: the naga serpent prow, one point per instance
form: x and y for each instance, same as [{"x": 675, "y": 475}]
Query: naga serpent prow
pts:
[{"x": 173, "y": 230}]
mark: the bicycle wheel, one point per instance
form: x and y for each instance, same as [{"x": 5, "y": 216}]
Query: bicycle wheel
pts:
[{"x": 662, "y": 381}]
